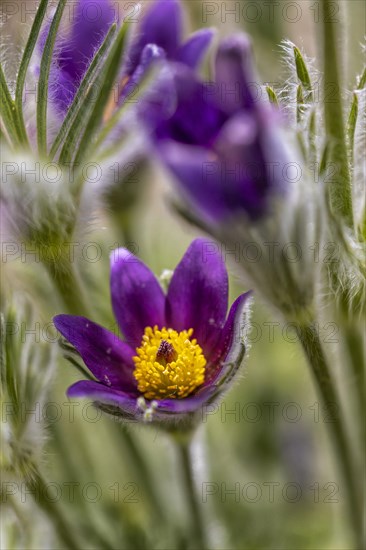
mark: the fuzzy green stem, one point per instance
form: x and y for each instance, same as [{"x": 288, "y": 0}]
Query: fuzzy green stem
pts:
[
  {"x": 7, "y": 109},
  {"x": 43, "y": 82},
  {"x": 355, "y": 344},
  {"x": 67, "y": 284},
  {"x": 197, "y": 524},
  {"x": 341, "y": 197},
  {"x": 38, "y": 488},
  {"x": 311, "y": 344}
]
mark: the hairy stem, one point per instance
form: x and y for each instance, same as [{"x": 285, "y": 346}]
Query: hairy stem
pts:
[
  {"x": 197, "y": 524},
  {"x": 340, "y": 191},
  {"x": 311, "y": 344},
  {"x": 355, "y": 347}
]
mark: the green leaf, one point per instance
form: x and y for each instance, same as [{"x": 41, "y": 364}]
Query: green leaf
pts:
[
  {"x": 351, "y": 126},
  {"x": 301, "y": 144},
  {"x": 302, "y": 72},
  {"x": 333, "y": 78},
  {"x": 68, "y": 128},
  {"x": 362, "y": 231},
  {"x": 325, "y": 159},
  {"x": 8, "y": 112},
  {"x": 28, "y": 51},
  {"x": 300, "y": 109},
  {"x": 362, "y": 81},
  {"x": 312, "y": 138},
  {"x": 9, "y": 353},
  {"x": 42, "y": 94},
  {"x": 108, "y": 77},
  {"x": 272, "y": 96}
]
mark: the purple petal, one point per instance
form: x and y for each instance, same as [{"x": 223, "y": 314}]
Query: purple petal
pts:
[
  {"x": 62, "y": 85},
  {"x": 105, "y": 355},
  {"x": 150, "y": 54},
  {"x": 62, "y": 89},
  {"x": 195, "y": 102},
  {"x": 245, "y": 162},
  {"x": 198, "y": 176},
  {"x": 236, "y": 85},
  {"x": 231, "y": 342},
  {"x": 90, "y": 24},
  {"x": 187, "y": 405},
  {"x": 137, "y": 297},
  {"x": 193, "y": 50},
  {"x": 167, "y": 409},
  {"x": 198, "y": 293},
  {"x": 252, "y": 150},
  {"x": 229, "y": 356},
  {"x": 93, "y": 390},
  {"x": 162, "y": 26},
  {"x": 158, "y": 102}
]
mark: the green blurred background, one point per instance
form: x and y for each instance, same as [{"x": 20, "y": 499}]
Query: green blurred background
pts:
[{"x": 271, "y": 481}]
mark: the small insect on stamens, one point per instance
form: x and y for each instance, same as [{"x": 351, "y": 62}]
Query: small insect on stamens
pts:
[{"x": 166, "y": 353}]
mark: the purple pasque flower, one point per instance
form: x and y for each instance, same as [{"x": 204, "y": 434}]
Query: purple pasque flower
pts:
[
  {"x": 159, "y": 35},
  {"x": 222, "y": 142},
  {"x": 179, "y": 349}
]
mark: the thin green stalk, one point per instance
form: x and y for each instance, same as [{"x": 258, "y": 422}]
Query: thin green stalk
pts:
[
  {"x": 42, "y": 92},
  {"x": 38, "y": 488},
  {"x": 353, "y": 114},
  {"x": 197, "y": 524},
  {"x": 341, "y": 196},
  {"x": 362, "y": 80},
  {"x": 28, "y": 51},
  {"x": 311, "y": 344},
  {"x": 352, "y": 120},
  {"x": 7, "y": 109},
  {"x": 312, "y": 139},
  {"x": 66, "y": 282},
  {"x": 355, "y": 343}
]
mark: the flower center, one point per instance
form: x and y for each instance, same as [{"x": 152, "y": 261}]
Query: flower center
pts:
[{"x": 168, "y": 364}]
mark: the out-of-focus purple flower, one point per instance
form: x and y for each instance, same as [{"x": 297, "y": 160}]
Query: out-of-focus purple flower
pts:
[
  {"x": 163, "y": 26},
  {"x": 179, "y": 350},
  {"x": 90, "y": 23},
  {"x": 222, "y": 142},
  {"x": 158, "y": 36}
]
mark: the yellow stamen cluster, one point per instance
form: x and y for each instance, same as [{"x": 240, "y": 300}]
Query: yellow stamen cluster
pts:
[{"x": 168, "y": 364}]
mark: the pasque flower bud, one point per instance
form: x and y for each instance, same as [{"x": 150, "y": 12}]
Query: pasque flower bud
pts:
[{"x": 37, "y": 208}]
